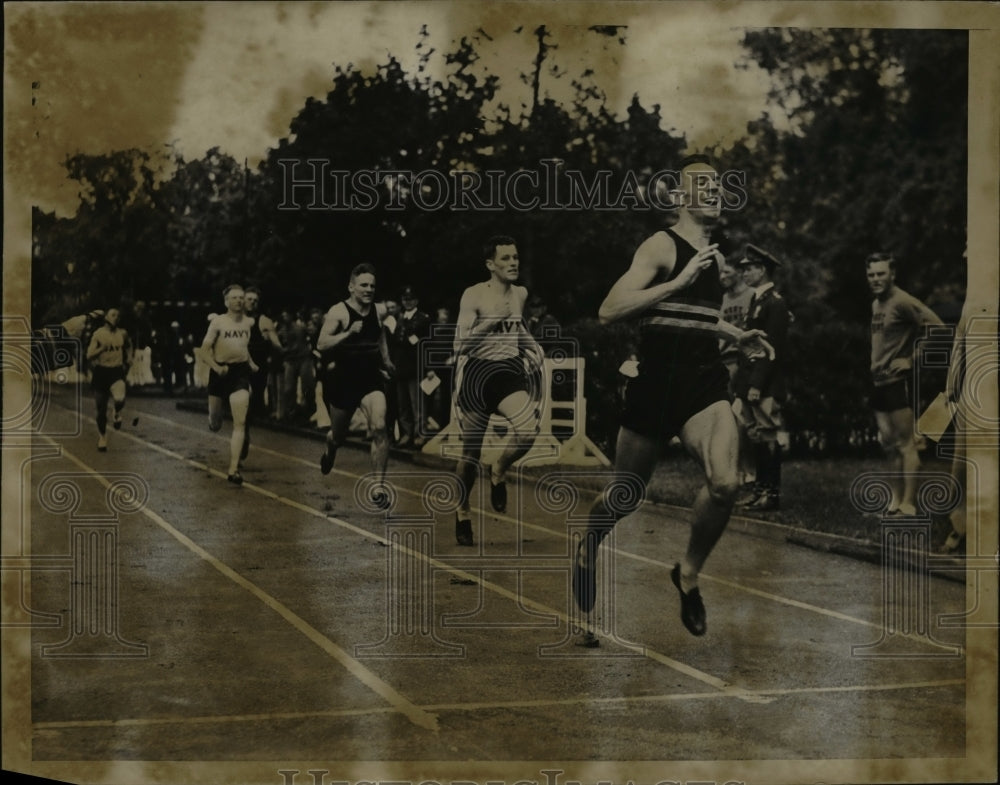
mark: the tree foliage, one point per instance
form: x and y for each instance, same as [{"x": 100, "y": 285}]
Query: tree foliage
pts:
[{"x": 860, "y": 148}]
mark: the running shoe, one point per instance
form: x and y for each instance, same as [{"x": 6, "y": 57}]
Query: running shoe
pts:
[
  {"x": 117, "y": 422},
  {"x": 102, "y": 444},
  {"x": 767, "y": 501},
  {"x": 381, "y": 500},
  {"x": 692, "y": 608},
  {"x": 235, "y": 478},
  {"x": 955, "y": 544},
  {"x": 463, "y": 531},
  {"x": 498, "y": 495},
  {"x": 326, "y": 462}
]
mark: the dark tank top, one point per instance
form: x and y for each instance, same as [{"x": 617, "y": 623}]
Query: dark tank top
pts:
[
  {"x": 359, "y": 353},
  {"x": 679, "y": 329}
]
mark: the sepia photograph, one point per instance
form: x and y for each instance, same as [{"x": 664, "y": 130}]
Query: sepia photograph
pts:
[{"x": 428, "y": 392}]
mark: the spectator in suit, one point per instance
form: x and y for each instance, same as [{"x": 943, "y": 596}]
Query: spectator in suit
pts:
[
  {"x": 760, "y": 379},
  {"x": 299, "y": 371},
  {"x": 412, "y": 328},
  {"x": 174, "y": 351},
  {"x": 388, "y": 312},
  {"x": 444, "y": 331},
  {"x": 736, "y": 297}
]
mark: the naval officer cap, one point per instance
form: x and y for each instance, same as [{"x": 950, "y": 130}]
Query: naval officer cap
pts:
[{"x": 755, "y": 255}]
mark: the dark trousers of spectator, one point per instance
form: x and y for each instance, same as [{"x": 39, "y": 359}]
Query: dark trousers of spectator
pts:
[
  {"x": 768, "y": 460},
  {"x": 258, "y": 402},
  {"x": 276, "y": 391},
  {"x": 300, "y": 371},
  {"x": 175, "y": 374},
  {"x": 410, "y": 408},
  {"x": 441, "y": 398},
  {"x": 391, "y": 409}
]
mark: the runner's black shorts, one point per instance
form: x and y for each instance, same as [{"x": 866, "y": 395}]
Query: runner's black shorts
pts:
[
  {"x": 102, "y": 378},
  {"x": 891, "y": 397},
  {"x": 485, "y": 383},
  {"x": 236, "y": 378},
  {"x": 344, "y": 387},
  {"x": 657, "y": 405}
]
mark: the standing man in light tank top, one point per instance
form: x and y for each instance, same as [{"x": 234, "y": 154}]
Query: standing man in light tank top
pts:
[
  {"x": 497, "y": 359},
  {"x": 226, "y": 350},
  {"x": 898, "y": 319},
  {"x": 354, "y": 369},
  {"x": 681, "y": 389}
]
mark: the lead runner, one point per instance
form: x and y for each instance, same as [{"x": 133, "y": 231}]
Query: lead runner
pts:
[{"x": 682, "y": 387}]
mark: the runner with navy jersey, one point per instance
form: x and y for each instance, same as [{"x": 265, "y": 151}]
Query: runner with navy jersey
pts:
[
  {"x": 497, "y": 358},
  {"x": 681, "y": 388},
  {"x": 354, "y": 369},
  {"x": 109, "y": 354},
  {"x": 225, "y": 349}
]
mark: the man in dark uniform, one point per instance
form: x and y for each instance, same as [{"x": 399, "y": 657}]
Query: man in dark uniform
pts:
[
  {"x": 412, "y": 327},
  {"x": 264, "y": 347},
  {"x": 681, "y": 388},
  {"x": 355, "y": 367},
  {"x": 760, "y": 379}
]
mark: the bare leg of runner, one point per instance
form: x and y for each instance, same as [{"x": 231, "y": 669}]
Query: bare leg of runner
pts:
[
  {"x": 340, "y": 421},
  {"x": 373, "y": 406},
  {"x": 522, "y": 414},
  {"x": 896, "y": 434},
  {"x": 101, "y": 399},
  {"x": 239, "y": 403},
  {"x": 712, "y": 436},
  {"x": 910, "y": 459},
  {"x": 214, "y": 413},
  {"x": 118, "y": 395},
  {"x": 473, "y": 432},
  {"x": 635, "y": 459}
]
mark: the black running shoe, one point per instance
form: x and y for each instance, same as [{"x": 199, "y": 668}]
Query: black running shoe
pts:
[
  {"x": 585, "y": 573},
  {"x": 235, "y": 478},
  {"x": 326, "y": 462},
  {"x": 117, "y": 422},
  {"x": 381, "y": 500},
  {"x": 463, "y": 532},
  {"x": 498, "y": 496},
  {"x": 767, "y": 501},
  {"x": 692, "y": 608}
]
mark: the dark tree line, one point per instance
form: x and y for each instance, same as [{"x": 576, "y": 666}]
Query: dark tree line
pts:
[{"x": 860, "y": 147}]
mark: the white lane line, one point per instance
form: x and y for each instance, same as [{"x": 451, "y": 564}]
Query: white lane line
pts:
[
  {"x": 211, "y": 720},
  {"x": 801, "y": 605},
  {"x": 582, "y": 700},
  {"x": 689, "y": 696},
  {"x": 915, "y": 637},
  {"x": 413, "y": 713},
  {"x": 677, "y": 665}
]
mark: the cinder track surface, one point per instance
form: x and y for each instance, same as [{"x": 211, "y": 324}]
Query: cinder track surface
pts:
[{"x": 285, "y": 621}]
